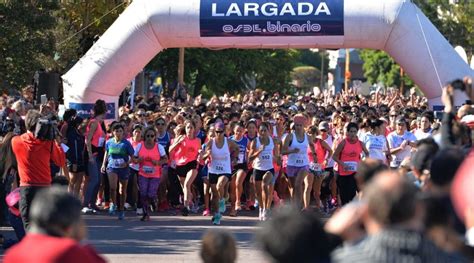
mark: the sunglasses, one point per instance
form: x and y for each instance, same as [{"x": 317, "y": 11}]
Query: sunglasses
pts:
[
  {"x": 219, "y": 132},
  {"x": 393, "y": 115},
  {"x": 150, "y": 136},
  {"x": 141, "y": 115},
  {"x": 160, "y": 123}
]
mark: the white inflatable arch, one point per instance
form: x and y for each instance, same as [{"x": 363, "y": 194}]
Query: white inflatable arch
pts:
[{"x": 147, "y": 27}]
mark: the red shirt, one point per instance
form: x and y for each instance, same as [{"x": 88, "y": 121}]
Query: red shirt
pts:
[
  {"x": 33, "y": 157},
  {"x": 40, "y": 248}
]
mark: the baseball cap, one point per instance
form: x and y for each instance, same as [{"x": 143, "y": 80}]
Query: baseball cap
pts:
[{"x": 324, "y": 125}]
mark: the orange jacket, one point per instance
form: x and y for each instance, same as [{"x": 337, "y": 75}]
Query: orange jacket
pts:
[{"x": 33, "y": 157}]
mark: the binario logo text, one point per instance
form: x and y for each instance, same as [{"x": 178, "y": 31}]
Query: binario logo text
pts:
[{"x": 271, "y": 9}]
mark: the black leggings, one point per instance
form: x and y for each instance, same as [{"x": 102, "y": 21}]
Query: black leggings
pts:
[{"x": 347, "y": 186}]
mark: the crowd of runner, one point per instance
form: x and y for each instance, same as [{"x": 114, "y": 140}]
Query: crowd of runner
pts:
[{"x": 253, "y": 151}]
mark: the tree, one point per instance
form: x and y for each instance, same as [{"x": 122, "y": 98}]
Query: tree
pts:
[
  {"x": 306, "y": 77},
  {"x": 227, "y": 70},
  {"x": 25, "y": 27}
]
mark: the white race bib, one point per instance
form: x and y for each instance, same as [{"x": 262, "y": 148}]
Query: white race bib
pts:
[
  {"x": 148, "y": 169},
  {"x": 101, "y": 142},
  {"x": 117, "y": 163},
  {"x": 350, "y": 166},
  {"x": 241, "y": 157},
  {"x": 315, "y": 167}
]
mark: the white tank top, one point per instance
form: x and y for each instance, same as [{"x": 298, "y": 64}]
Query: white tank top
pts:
[
  {"x": 220, "y": 159},
  {"x": 300, "y": 158},
  {"x": 264, "y": 160}
]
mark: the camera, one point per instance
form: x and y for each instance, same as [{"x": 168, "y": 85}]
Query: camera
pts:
[
  {"x": 46, "y": 129},
  {"x": 459, "y": 85}
]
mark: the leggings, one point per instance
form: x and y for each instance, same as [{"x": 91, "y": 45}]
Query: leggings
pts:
[
  {"x": 347, "y": 186},
  {"x": 148, "y": 191}
]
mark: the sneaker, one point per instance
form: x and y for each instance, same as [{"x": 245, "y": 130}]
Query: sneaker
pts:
[
  {"x": 127, "y": 206},
  {"x": 194, "y": 209},
  {"x": 86, "y": 210},
  {"x": 264, "y": 215},
  {"x": 112, "y": 209},
  {"x": 185, "y": 211},
  {"x": 121, "y": 215},
  {"x": 106, "y": 205},
  {"x": 216, "y": 219},
  {"x": 260, "y": 214},
  {"x": 139, "y": 211},
  {"x": 98, "y": 202},
  {"x": 145, "y": 217},
  {"x": 222, "y": 206},
  {"x": 206, "y": 212}
]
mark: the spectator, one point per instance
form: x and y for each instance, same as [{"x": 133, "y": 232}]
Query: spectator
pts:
[
  {"x": 218, "y": 247},
  {"x": 56, "y": 224},
  {"x": 33, "y": 156}
]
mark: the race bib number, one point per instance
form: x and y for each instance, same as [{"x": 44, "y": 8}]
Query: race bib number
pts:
[
  {"x": 299, "y": 159},
  {"x": 148, "y": 169},
  {"x": 117, "y": 163},
  {"x": 101, "y": 142},
  {"x": 266, "y": 157},
  {"x": 219, "y": 168},
  {"x": 241, "y": 157},
  {"x": 315, "y": 167},
  {"x": 350, "y": 166}
]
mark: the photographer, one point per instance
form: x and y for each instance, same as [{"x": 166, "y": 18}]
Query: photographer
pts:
[{"x": 34, "y": 150}]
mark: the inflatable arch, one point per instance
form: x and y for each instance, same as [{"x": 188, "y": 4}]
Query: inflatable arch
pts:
[{"x": 147, "y": 27}]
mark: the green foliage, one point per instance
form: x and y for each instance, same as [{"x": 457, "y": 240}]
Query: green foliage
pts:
[
  {"x": 380, "y": 67},
  {"x": 227, "y": 70},
  {"x": 25, "y": 27},
  {"x": 306, "y": 77}
]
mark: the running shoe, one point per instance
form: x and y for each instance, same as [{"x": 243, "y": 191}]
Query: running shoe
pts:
[
  {"x": 222, "y": 206},
  {"x": 112, "y": 209},
  {"x": 185, "y": 211},
  {"x": 206, "y": 212},
  {"x": 216, "y": 219},
  {"x": 194, "y": 209},
  {"x": 139, "y": 211},
  {"x": 106, "y": 205},
  {"x": 86, "y": 210},
  {"x": 98, "y": 202},
  {"x": 264, "y": 215},
  {"x": 121, "y": 215},
  {"x": 260, "y": 214},
  {"x": 145, "y": 217},
  {"x": 127, "y": 206}
]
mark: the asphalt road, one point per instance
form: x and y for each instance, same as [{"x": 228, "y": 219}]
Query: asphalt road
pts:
[{"x": 167, "y": 238}]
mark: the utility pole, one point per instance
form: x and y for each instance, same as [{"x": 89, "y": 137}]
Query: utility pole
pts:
[
  {"x": 181, "y": 67},
  {"x": 347, "y": 75}
]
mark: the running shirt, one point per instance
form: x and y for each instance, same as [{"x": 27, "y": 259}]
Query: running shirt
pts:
[
  {"x": 118, "y": 152},
  {"x": 377, "y": 146},
  {"x": 321, "y": 153},
  {"x": 394, "y": 141},
  {"x": 201, "y": 135},
  {"x": 134, "y": 166},
  {"x": 147, "y": 169},
  {"x": 164, "y": 141},
  {"x": 329, "y": 141},
  {"x": 220, "y": 159},
  {"x": 187, "y": 151},
  {"x": 264, "y": 160},
  {"x": 242, "y": 143},
  {"x": 350, "y": 156},
  {"x": 300, "y": 158},
  {"x": 420, "y": 134},
  {"x": 98, "y": 138}
]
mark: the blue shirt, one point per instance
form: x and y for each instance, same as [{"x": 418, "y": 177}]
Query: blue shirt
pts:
[
  {"x": 242, "y": 148},
  {"x": 118, "y": 152}
]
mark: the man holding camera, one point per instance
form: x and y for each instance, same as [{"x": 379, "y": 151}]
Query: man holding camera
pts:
[{"x": 34, "y": 150}]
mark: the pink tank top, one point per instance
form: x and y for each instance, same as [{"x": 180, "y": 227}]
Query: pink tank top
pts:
[
  {"x": 350, "y": 156},
  {"x": 187, "y": 151},
  {"x": 320, "y": 152},
  {"x": 147, "y": 169},
  {"x": 98, "y": 134}
]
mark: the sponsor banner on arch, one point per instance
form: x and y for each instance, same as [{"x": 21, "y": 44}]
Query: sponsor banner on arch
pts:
[{"x": 237, "y": 18}]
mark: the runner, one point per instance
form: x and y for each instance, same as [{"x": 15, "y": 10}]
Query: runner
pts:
[
  {"x": 204, "y": 171},
  {"x": 400, "y": 142},
  {"x": 95, "y": 140},
  {"x": 150, "y": 156},
  {"x": 223, "y": 153},
  {"x": 262, "y": 152},
  {"x": 295, "y": 145},
  {"x": 347, "y": 157},
  {"x": 134, "y": 168},
  {"x": 164, "y": 139},
  {"x": 186, "y": 149},
  {"x": 329, "y": 181},
  {"x": 240, "y": 169},
  {"x": 317, "y": 167},
  {"x": 249, "y": 186},
  {"x": 376, "y": 142},
  {"x": 118, "y": 153}
]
